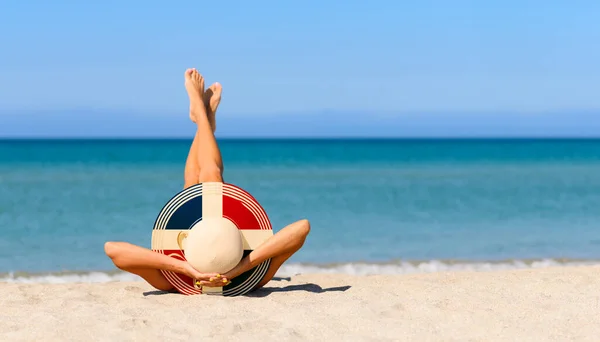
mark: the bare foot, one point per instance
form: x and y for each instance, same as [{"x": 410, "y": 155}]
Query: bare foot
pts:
[
  {"x": 212, "y": 98},
  {"x": 194, "y": 84}
]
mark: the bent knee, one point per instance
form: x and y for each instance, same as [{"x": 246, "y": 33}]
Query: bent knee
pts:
[{"x": 210, "y": 174}]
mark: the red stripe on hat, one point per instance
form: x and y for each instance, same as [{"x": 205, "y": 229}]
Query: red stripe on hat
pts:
[{"x": 235, "y": 211}]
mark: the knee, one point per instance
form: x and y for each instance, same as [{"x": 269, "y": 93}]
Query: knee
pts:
[
  {"x": 211, "y": 173},
  {"x": 191, "y": 178}
]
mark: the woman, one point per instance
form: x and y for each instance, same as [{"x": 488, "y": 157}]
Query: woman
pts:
[{"x": 204, "y": 164}]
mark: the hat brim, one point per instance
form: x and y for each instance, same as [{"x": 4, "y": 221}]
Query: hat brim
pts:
[{"x": 212, "y": 199}]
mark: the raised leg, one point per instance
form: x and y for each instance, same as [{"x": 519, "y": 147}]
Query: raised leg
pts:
[
  {"x": 145, "y": 262},
  {"x": 208, "y": 154},
  {"x": 211, "y": 99}
]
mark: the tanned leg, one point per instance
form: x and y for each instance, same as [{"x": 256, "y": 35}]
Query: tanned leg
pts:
[
  {"x": 208, "y": 154},
  {"x": 211, "y": 99},
  {"x": 147, "y": 263}
]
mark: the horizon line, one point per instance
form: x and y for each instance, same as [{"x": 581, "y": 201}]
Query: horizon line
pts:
[
  {"x": 278, "y": 138},
  {"x": 320, "y": 110}
]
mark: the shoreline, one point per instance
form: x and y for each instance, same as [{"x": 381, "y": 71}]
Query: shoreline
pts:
[
  {"x": 395, "y": 267},
  {"x": 554, "y": 303}
]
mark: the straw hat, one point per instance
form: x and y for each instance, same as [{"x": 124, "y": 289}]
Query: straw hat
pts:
[{"x": 199, "y": 225}]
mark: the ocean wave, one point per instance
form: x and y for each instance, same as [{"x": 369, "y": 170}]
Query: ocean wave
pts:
[{"x": 361, "y": 269}]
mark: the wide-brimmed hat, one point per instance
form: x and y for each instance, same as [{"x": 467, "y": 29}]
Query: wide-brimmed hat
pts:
[{"x": 214, "y": 200}]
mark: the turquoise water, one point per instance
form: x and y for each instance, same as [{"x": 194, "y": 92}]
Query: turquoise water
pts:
[{"x": 376, "y": 206}]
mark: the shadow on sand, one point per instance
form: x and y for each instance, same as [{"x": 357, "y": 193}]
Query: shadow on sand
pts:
[
  {"x": 266, "y": 291},
  {"x": 158, "y": 293},
  {"x": 314, "y": 288}
]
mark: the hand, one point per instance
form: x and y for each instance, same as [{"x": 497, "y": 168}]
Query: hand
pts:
[
  {"x": 207, "y": 279},
  {"x": 217, "y": 281}
]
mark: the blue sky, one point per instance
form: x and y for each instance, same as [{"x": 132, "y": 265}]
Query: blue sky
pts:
[{"x": 120, "y": 61}]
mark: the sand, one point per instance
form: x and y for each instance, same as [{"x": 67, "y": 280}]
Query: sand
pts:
[{"x": 553, "y": 304}]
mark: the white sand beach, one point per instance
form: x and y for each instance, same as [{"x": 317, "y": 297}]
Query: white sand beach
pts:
[{"x": 552, "y": 304}]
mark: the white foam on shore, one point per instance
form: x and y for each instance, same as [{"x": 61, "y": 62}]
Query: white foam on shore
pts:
[
  {"x": 408, "y": 267},
  {"x": 426, "y": 267},
  {"x": 66, "y": 277}
]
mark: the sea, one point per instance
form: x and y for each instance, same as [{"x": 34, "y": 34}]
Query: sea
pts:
[{"x": 386, "y": 206}]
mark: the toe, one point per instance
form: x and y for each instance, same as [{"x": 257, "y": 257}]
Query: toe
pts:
[
  {"x": 217, "y": 88},
  {"x": 201, "y": 81}
]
